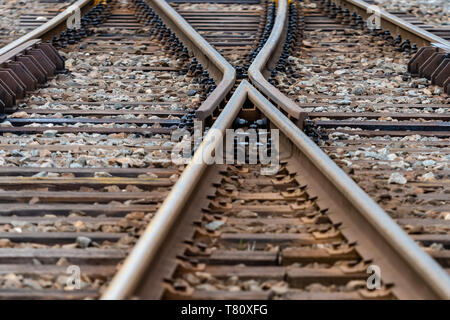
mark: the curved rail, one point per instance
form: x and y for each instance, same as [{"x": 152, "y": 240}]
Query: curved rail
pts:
[
  {"x": 134, "y": 266},
  {"x": 154, "y": 236},
  {"x": 425, "y": 266},
  {"x": 217, "y": 65},
  {"x": 269, "y": 54},
  {"x": 391, "y": 242},
  {"x": 383, "y": 239},
  {"x": 46, "y": 27},
  {"x": 268, "y": 57},
  {"x": 220, "y": 69},
  {"x": 211, "y": 60},
  {"x": 430, "y": 276}
]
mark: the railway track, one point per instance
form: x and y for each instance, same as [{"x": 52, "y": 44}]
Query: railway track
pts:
[
  {"x": 278, "y": 237},
  {"x": 238, "y": 30},
  {"x": 426, "y": 13},
  {"x": 86, "y": 156},
  {"x": 17, "y": 20},
  {"x": 265, "y": 237},
  {"x": 88, "y": 179},
  {"x": 387, "y": 130},
  {"x": 233, "y": 29}
]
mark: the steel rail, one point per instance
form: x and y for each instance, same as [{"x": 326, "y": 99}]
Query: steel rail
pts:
[
  {"x": 264, "y": 63},
  {"x": 395, "y": 24},
  {"x": 384, "y": 240},
  {"x": 426, "y": 268},
  {"x": 159, "y": 228},
  {"x": 134, "y": 266},
  {"x": 217, "y": 65},
  {"x": 211, "y": 60},
  {"x": 266, "y": 60},
  {"x": 46, "y": 27}
]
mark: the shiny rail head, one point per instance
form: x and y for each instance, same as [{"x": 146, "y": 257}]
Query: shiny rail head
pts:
[
  {"x": 263, "y": 63},
  {"x": 444, "y": 47},
  {"x": 217, "y": 66},
  {"x": 29, "y": 61}
]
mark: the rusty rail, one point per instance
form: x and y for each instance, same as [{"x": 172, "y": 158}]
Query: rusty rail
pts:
[
  {"x": 219, "y": 68},
  {"x": 416, "y": 269},
  {"x": 264, "y": 63},
  {"x": 416, "y": 274},
  {"x": 425, "y": 266},
  {"x": 28, "y": 61},
  {"x": 145, "y": 251},
  {"x": 420, "y": 275}
]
